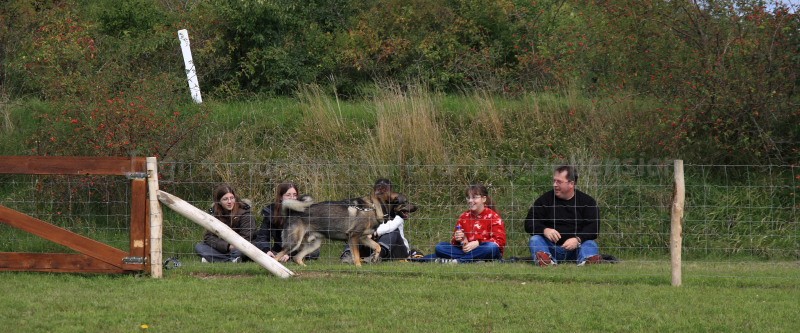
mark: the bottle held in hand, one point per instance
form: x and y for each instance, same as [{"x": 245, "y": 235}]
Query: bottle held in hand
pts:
[{"x": 463, "y": 236}]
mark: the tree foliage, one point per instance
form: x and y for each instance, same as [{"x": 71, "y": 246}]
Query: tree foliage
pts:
[{"x": 726, "y": 70}]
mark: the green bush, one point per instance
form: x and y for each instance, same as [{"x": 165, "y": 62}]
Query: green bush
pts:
[{"x": 53, "y": 53}]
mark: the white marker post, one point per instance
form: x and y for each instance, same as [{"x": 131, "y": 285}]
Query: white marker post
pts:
[
  {"x": 191, "y": 74},
  {"x": 223, "y": 231}
]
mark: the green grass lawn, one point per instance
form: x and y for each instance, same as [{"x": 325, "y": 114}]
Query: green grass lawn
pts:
[{"x": 410, "y": 297}]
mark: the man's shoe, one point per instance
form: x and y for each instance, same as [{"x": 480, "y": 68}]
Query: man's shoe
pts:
[
  {"x": 543, "y": 259},
  {"x": 236, "y": 260},
  {"x": 346, "y": 258},
  {"x": 203, "y": 260},
  {"x": 595, "y": 259}
]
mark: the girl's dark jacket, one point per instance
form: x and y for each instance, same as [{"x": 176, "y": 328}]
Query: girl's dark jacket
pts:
[
  {"x": 269, "y": 233},
  {"x": 240, "y": 220}
]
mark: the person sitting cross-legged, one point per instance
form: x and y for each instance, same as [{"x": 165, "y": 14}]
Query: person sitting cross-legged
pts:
[
  {"x": 234, "y": 213},
  {"x": 564, "y": 223}
]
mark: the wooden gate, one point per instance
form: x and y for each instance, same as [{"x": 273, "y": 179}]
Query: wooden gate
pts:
[{"x": 93, "y": 256}]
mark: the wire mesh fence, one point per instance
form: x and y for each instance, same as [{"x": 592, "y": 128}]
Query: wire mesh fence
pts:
[{"x": 733, "y": 213}]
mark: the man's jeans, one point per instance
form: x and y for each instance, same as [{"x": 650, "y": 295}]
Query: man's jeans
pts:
[
  {"x": 539, "y": 243},
  {"x": 485, "y": 251}
]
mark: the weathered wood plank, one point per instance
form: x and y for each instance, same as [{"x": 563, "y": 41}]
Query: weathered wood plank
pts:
[
  {"x": 70, "y": 165},
  {"x": 138, "y": 218},
  {"x": 54, "y": 262}
]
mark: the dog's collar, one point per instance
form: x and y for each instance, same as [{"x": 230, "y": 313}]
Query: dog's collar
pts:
[{"x": 363, "y": 209}]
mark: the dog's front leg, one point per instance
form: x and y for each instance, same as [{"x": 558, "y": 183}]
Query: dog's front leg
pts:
[{"x": 354, "y": 250}]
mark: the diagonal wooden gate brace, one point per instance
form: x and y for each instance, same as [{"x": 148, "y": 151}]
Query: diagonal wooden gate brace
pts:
[{"x": 96, "y": 256}]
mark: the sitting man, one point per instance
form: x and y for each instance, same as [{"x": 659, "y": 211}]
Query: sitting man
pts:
[
  {"x": 391, "y": 211},
  {"x": 564, "y": 223}
]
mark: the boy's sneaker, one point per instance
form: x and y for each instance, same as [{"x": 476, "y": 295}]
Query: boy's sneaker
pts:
[
  {"x": 203, "y": 260},
  {"x": 595, "y": 259},
  {"x": 346, "y": 258},
  {"x": 446, "y": 261},
  {"x": 543, "y": 259},
  {"x": 236, "y": 260}
]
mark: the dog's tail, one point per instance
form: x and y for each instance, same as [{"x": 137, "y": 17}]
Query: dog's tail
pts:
[
  {"x": 297, "y": 205},
  {"x": 293, "y": 237}
]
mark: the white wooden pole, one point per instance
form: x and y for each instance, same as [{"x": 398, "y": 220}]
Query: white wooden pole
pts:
[
  {"x": 156, "y": 219},
  {"x": 191, "y": 73},
  {"x": 210, "y": 223},
  {"x": 676, "y": 228}
]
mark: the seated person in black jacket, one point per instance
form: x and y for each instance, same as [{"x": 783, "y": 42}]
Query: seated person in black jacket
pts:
[{"x": 564, "y": 223}]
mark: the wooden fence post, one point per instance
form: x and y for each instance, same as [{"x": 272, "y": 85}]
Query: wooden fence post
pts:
[
  {"x": 156, "y": 219},
  {"x": 676, "y": 227}
]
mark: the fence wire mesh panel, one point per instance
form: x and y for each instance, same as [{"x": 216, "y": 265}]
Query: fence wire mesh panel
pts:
[
  {"x": 734, "y": 214},
  {"x": 97, "y": 207}
]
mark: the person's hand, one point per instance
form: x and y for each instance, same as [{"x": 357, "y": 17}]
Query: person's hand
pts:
[
  {"x": 571, "y": 244},
  {"x": 283, "y": 258},
  {"x": 458, "y": 235},
  {"x": 471, "y": 246},
  {"x": 231, "y": 248},
  {"x": 552, "y": 234}
]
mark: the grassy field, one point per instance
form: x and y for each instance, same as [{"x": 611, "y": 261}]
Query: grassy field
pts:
[{"x": 412, "y": 297}]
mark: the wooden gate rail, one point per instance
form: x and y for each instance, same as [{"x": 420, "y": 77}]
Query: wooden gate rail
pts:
[{"x": 93, "y": 256}]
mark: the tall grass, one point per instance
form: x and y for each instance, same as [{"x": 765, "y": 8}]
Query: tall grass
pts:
[
  {"x": 322, "y": 114},
  {"x": 406, "y": 129}
]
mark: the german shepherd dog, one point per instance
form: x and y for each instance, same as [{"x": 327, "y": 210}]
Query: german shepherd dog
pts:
[{"x": 352, "y": 220}]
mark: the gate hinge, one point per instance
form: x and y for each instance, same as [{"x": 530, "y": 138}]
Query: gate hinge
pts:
[
  {"x": 133, "y": 260},
  {"x": 136, "y": 175}
]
